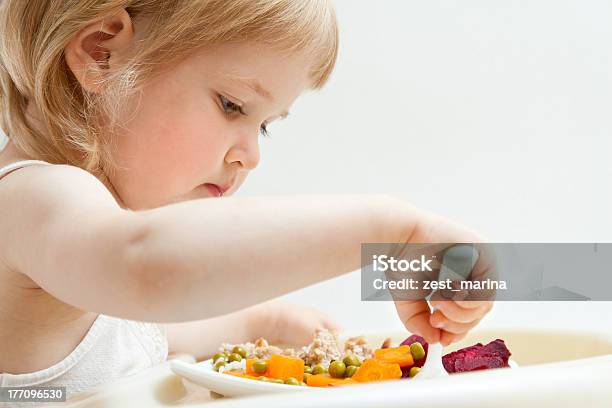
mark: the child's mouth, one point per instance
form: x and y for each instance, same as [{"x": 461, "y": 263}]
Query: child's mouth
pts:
[{"x": 214, "y": 189}]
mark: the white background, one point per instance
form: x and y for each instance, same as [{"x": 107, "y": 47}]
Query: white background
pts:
[{"x": 494, "y": 113}]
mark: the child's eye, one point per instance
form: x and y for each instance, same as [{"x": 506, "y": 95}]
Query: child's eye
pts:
[
  {"x": 229, "y": 106},
  {"x": 264, "y": 130}
]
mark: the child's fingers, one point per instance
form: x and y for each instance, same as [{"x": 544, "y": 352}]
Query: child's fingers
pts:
[
  {"x": 438, "y": 320},
  {"x": 415, "y": 316},
  {"x": 447, "y": 338},
  {"x": 331, "y": 325},
  {"x": 319, "y": 319},
  {"x": 451, "y": 294},
  {"x": 473, "y": 304},
  {"x": 452, "y": 311}
]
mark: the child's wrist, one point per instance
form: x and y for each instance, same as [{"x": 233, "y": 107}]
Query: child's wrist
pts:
[{"x": 397, "y": 218}]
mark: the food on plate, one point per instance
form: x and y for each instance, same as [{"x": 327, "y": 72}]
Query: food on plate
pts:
[
  {"x": 283, "y": 367},
  {"x": 401, "y": 355},
  {"x": 377, "y": 370},
  {"x": 419, "y": 342},
  {"x": 477, "y": 357},
  {"x": 328, "y": 363},
  {"x": 324, "y": 380},
  {"x": 418, "y": 349}
]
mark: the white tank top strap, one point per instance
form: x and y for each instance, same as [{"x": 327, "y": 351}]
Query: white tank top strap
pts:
[{"x": 19, "y": 164}]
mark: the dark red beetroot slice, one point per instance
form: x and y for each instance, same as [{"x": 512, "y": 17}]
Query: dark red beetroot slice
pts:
[
  {"x": 477, "y": 357},
  {"x": 417, "y": 363}
]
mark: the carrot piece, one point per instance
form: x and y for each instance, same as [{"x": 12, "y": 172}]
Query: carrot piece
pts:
[
  {"x": 283, "y": 367},
  {"x": 346, "y": 381},
  {"x": 376, "y": 370},
  {"x": 249, "y": 368},
  {"x": 241, "y": 375},
  {"x": 399, "y": 355},
  {"x": 325, "y": 380}
]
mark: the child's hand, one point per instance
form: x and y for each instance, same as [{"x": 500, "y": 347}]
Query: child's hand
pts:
[
  {"x": 282, "y": 322},
  {"x": 450, "y": 321},
  {"x": 454, "y": 316}
]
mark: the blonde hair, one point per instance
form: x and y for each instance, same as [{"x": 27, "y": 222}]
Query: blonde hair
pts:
[{"x": 34, "y": 34}]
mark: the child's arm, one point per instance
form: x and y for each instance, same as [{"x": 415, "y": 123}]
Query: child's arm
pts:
[
  {"x": 190, "y": 260},
  {"x": 185, "y": 261},
  {"x": 61, "y": 227},
  {"x": 201, "y": 338},
  {"x": 279, "y": 322},
  {"x": 209, "y": 257}
]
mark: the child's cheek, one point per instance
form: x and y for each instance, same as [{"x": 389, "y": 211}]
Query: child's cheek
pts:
[
  {"x": 189, "y": 144},
  {"x": 188, "y": 152},
  {"x": 173, "y": 142},
  {"x": 193, "y": 154},
  {"x": 169, "y": 156}
]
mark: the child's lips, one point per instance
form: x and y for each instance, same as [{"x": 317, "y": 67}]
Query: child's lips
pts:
[
  {"x": 214, "y": 189},
  {"x": 217, "y": 190}
]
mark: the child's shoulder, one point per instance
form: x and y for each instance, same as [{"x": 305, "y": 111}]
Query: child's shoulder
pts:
[
  {"x": 42, "y": 202},
  {"x": 36, "y": 193},
  {"x": 42, "y": 183}
]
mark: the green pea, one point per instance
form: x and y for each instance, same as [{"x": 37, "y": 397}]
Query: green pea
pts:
[
  {"x": 227, "y": 353},
  {"x": 239, "y": 350},
  {"x": 351, "y": 360},
  {"x": 235, "y": 357},
  {"x": 306, "y": 376},
  {"x": 417, "y": 350},
  {"x": 350, "y": 371},
  {"x": 308, "y": 369},
  {"x": 218, "y": 356},
  {"x": 292, "y": 381},
  {"x": 276, "y": 380},
  {"x": 260, "y": 367},
  {"x": 337, "y": 369},
  {"x": 413, "y": 371},
  {"x": 319, "y": 369},
  {"x": 219, "y": 364}
]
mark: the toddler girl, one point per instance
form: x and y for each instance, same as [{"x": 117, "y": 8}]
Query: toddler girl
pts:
[{"x": 130, "y": 125}]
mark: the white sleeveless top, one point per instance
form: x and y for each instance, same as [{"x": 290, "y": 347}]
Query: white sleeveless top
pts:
[{"x": 112, "y": 348}]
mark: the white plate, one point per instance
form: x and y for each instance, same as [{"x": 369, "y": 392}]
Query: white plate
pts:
[
  {"x": 232, "y": 386},
  {"x": 528, "y": 348},
  {"x": 229, "y": 385},
  {"x": 542, "y": 380}
]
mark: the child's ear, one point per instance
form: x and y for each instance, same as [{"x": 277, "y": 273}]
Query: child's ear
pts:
[{"x": 98, "y": 47}]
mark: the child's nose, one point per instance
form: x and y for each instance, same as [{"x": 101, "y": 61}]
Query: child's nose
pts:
[{"x": 245, "y": 152}]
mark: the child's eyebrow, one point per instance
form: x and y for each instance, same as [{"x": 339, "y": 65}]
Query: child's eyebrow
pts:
[
  {"x": 252, "y": 83},
  {"x": 256, "y": 86}
]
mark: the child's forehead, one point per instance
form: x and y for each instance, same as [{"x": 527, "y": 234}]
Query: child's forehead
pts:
[
  {"x": 236, "y": 56},
  {"x": 251, "y": 65}
]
